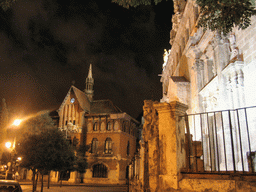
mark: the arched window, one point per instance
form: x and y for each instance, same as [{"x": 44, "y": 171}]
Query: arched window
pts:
[
  {"x": 100, "y": 170},
  {"x": 94, "y": 146},
  {"x": 128, "y": 148},
  {"x": 95, "y": 126},
  {"x": 109, "y": 126},
  {"x": 108, "y": 145}
]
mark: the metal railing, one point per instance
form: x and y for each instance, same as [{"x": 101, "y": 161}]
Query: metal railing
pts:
[{"x": 221, "y": 141}]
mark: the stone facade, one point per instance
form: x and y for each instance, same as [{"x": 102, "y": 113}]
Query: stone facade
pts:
[
  {"x": 203, "y": 72},
  {"x": 108, "y": 133},
  {"x": 208, "y": 67}
]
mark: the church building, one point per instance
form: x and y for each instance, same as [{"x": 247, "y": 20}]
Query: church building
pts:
[{"x": 109, "y": 133}]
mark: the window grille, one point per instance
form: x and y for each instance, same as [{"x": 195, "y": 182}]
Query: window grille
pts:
[{"x": 100, "y": 170}]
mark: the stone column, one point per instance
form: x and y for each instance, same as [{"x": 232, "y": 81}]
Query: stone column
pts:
[
  {"x": 171, "y": 143},
  {"x": 73, "y": 113},
  {"x": 65, "y": 115},
  {"x": 151, "y": 155},
  {"x": 61, "y": 118}
]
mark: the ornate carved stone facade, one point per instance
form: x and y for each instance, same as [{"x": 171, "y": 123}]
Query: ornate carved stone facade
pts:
[
  {"x": 216, "y": 66},
  {"x": 218, "y": 69}
]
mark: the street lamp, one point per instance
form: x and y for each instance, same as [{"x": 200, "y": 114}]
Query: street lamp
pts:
[
  {"x": 17, "y": 122},
  {"x": 8, "y": 145},
  {"x": 11, "y": 147}
]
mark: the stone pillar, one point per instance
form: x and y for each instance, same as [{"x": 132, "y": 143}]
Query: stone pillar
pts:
[
  {"x": 73, "y": 114},
  {"x": 65, "y": 115},
  {"x": 151, "y": 155},
  {"x": 61, "y": 118},
  {"x": 171, "y": 143}
]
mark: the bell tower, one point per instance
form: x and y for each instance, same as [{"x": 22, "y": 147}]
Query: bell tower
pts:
[{"x": 89, "y": 84}]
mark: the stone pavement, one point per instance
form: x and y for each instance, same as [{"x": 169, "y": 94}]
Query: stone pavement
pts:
[
  {"x": 74, "y": 187},
  {"x": 28, "y": 188}
]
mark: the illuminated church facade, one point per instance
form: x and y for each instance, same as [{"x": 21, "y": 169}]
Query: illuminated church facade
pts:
[
  {"x": 214, "y": 75},
  {"x": 108, "y": 133}
]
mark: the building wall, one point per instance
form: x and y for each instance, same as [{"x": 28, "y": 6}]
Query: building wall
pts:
[
  {"x": 82, "y": 128},
  {"x": 116, "y": 161},
  {"x": 214, "y": 65},
  {"x": 71, "y": 115}
]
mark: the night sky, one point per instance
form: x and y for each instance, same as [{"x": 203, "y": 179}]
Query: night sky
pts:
[{"x": 48, "y": 44}]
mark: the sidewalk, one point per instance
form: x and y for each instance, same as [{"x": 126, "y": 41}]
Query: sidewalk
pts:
[{"x": 28, "y": 182}]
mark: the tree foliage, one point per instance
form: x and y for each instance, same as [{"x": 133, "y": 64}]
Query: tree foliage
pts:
[
  {"x": 4, "y": 120},
  {"x": 6, "y": 4},
  {"x": 224, "y": 15},
  {"x": 35, "y": 125},
  {"x": 134, "y": 3},
  {"x": 46, "y": 151},
  {"x": 43, "y": 147},
  {"x": 81, "y": 161},
  {"x": 221, "y": 15}
]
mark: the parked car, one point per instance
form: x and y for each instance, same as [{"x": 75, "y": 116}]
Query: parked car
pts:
[{"x": 10, "y": 186}]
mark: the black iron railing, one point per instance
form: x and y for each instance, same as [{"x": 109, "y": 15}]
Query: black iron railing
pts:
[{"x": 221, "y": 141}]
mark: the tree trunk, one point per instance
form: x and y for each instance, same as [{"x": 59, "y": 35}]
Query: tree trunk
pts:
[
  {"x": 33, "y": 181},
  {"x": 49, "y": 174},
  {"x": 42, "y": 183},
  {"x": 81, "y": 177},
  {"x": 36, "y": 181}
]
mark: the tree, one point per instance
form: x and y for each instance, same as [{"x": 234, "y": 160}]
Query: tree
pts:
[
  {"x": 4, "y": 120},
  {"x": 134, "y": 3},
  {"x": 81, "y": 161},
  {"x": 46, "y": 151},
  {"x": 221, "y": 15},
  {"x": 43, "y": 147},
  {"x": 224, "y": 15},
  {"x": 6, "y": 4},
  {"x": 35, "y": 125}
]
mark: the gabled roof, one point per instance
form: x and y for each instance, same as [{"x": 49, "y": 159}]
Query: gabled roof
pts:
[
  {"x": 94, "y": 107},
  {"x": 81, "y": 98},
  {"x": 104, "y": 106}
]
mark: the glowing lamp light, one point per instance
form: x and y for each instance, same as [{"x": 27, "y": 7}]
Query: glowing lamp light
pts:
[
  {"x": 8, "y": 145},
  {"x": 19, "y": 158},
  {"x": 17, "y": 122}
]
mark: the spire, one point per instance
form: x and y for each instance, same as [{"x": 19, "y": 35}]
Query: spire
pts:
[
  {"x": 90, "y": 72},
  {"x": 89, "y": 84}
]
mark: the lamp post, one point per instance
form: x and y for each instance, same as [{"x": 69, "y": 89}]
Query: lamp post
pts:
[
  {"x": 11, "y": 147},
  {"x": 9, "y": 172}
]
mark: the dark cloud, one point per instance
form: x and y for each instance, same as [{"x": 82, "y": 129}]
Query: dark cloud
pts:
[{"x": 46, "y": 44}]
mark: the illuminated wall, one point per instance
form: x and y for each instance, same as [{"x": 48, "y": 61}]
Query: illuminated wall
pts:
[{"x": 211, "y": 72}]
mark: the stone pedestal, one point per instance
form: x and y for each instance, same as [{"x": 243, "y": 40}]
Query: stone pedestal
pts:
[{"x": 171, "y": 142}]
